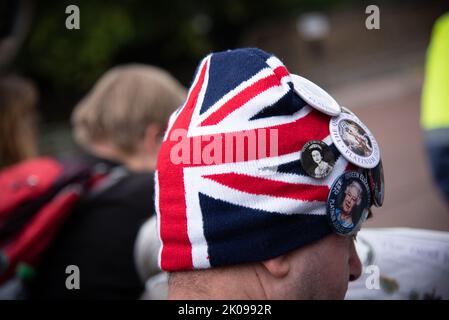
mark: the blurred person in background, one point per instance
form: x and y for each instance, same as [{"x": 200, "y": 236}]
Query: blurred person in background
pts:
[
  {"x": 435, "y": 104},
  {"x": 119, "y": 124},
  {"x": 18, "y": 99}
]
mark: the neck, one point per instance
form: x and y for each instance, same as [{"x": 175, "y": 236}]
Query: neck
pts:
[
  {"x": 239, "y": 282},
  {"x": 138, "y": 161}
]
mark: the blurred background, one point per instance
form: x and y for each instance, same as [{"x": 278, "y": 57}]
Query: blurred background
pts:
[{"x": 376, "y": 73}]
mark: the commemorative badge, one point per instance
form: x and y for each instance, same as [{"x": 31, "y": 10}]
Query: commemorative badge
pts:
[
  {"x": 317, "y": 159},
  {"x": 377, "y": 184},
  {"x": 354, "y": 140},
  {"x": 315, "y": 96},
  {"x": 348, "y": 203},
  {"x": 346, "y": 110}
]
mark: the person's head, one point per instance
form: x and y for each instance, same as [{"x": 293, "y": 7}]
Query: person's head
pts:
[
  {"x": 125, "y": 114},
  {"x": 241, "y": 227},
  {"x": 353, "y": 197},
  {"x": 18, "y": 99},
  {"x": 316, "y": 156}
]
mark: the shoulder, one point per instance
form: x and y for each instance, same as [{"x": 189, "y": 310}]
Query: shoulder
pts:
[{"x": 134, "y": 185}]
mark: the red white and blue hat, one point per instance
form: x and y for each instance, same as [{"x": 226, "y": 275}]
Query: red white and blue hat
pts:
[{"x": 218, "y": 207}]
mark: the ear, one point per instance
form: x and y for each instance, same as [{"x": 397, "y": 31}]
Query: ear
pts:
[
  {"x": 152, "y": 138},
  {"x": 278, "y": 267}
]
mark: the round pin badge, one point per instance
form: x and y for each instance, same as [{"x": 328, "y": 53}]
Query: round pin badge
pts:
[
  {"x": 348, "y": 203},
  {"x": 317, "y": 159},
  {"x": 315, "y": 96},
  {"x": 377, "y": 184},
  {"x": 354, "y": 140},
  {"x": 346, "y": 110}
]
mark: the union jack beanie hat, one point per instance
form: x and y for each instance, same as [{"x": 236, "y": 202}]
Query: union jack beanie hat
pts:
[{"x": 230, "y": 187}]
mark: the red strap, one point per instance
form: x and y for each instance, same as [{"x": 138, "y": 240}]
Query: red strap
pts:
[{"x": 40, "y": 230}]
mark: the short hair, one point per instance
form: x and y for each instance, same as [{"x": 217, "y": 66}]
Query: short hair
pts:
[
  {"x": 18, "y": 100},
  {"x": 123, "y": 103},
  {"x": 194, "y": 281},
  {"x": 355, "y": 184}
]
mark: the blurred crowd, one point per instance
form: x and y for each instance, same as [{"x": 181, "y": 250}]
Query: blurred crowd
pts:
[{"x": 119, "y": 125}]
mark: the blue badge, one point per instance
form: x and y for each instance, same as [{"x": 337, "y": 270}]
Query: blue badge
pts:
[{"x": 348, "y": 203}]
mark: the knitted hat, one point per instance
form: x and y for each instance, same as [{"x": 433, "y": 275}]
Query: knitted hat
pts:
[{"x": 230, "y": 187}]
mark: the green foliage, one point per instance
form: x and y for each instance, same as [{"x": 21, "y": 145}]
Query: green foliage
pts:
[
  {"x": 173, "y": 34},
  {"x": 77, "y": 57}
]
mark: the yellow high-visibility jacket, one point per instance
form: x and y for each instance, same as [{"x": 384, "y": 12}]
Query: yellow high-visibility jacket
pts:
[{"x": 435, "y": 94}]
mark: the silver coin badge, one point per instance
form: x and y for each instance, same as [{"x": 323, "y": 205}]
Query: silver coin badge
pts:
[
  {"x": 348, "y": 203},
  {"x": 347, "y": 110},
  {"x": 315, "y": 96},
  {"x": 354, "y": 140}
]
